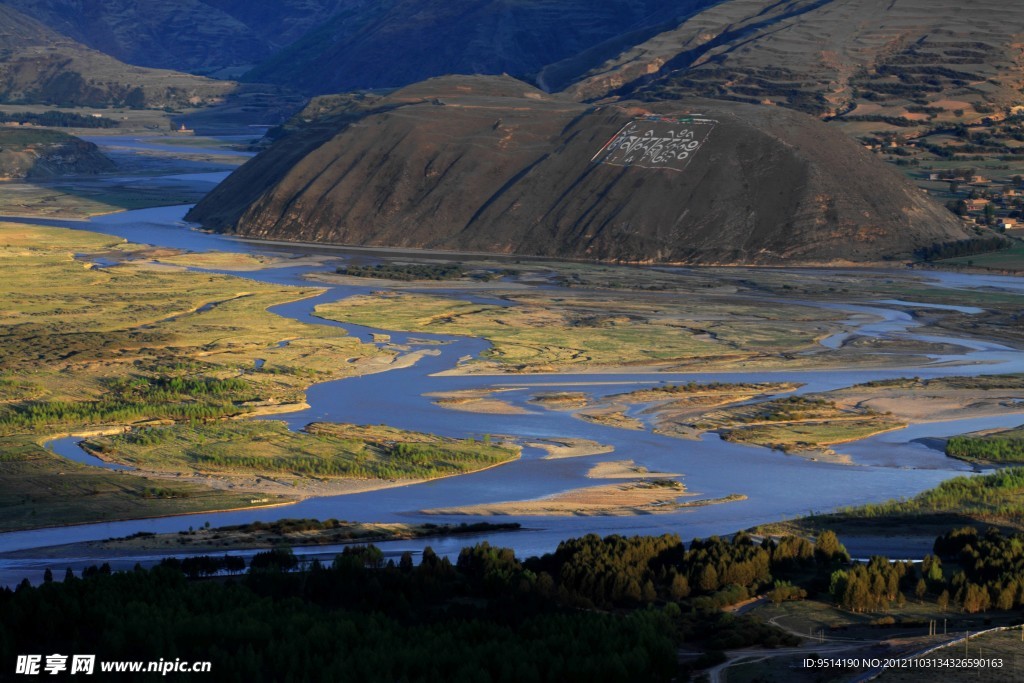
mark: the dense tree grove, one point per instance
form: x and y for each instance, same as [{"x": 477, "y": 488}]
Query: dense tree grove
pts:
[
  {"x": 988, "y": 574},
  {"x": 992, "y": 448},
  {"x": 617, "y": 571},
  {"x": 58, "y": 119},
  {"x": 966, "y": 247},
  {"x": 352, "y": 621},
  {"x": 597, "y": 609},
  {"x": 991, "y": 569},
  {"x": 873, "y": 587}
]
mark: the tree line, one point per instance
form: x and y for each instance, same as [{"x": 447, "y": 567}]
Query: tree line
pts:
[
  {"x": 58, "y": 119},
  {"x": 992, "y": 448},
  {"x": 596, "y": 609}
]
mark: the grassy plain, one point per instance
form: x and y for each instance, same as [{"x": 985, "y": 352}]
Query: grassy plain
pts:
[
  {"x": 85, "y": 348},
  {"x": 795, "y": 423},
  {"x": 561, "y": 400},
  {"x": 1007, "y": 260},
  {"x": 675, "y": 409},
  {"x": 69, "y": 329},
  {"x": 988, "y": 500},
  {"x": 232, "y": 261},
  {"x": 814, "y": 422},
  {"x": 611, "y": 418},
  {"x": 239, "y": 451},
  {"x": 707, "y": 319},
  {"x": 88, "y": 197},
  {"x": 542, "y": 332},
  {"x": 944, "y": 398},
  {"x": 38, "y": 489}
]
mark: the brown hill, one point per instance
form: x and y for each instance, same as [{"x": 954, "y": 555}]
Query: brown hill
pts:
[
  {"x": 492, "y": 164},
  {"x": 830, "y": 56},
  {"x": 39, "y": 65},
  {"x": 38, "y": 153}
]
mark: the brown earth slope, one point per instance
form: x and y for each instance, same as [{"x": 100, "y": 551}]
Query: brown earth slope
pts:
[
  {"x": 492, "y": 164},
  {"x": 39, "y": 153},
  {"x": 38, "y": 65},
  {"x": 829, "y": 56}
]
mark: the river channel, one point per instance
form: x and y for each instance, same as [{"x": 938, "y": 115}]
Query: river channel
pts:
[{"x": 777, "y": 485}]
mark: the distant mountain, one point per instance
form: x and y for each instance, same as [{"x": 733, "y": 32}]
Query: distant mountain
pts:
[
  {"x": 389, "y": 43},
  {"x": 38, "y": 65},
  {"x": 493, "y": 164},
  {"x": 186, "y": 35},
  {"x": 873, "y": 58},
  {"x": 879, "y": 59},
  {"x": 39, "y": 153},
  {"x": 322, "y": 46}
]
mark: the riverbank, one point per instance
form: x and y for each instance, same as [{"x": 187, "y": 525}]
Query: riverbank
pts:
[
  {"x": 775, "y": 324},
  {"x": 293, "y": 533}
]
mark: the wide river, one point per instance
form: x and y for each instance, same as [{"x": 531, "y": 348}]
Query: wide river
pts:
[{"x": 777, "y": 486}]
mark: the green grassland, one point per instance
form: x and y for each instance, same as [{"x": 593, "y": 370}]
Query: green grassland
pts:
[
  {"x": 813, "y": 422},
  {"x": 707, "y": 318},
  {"x": 712, "y": 390},
  {"x": 977, "y": 382},
  {"x": 321, "y": 451},
  {"x": 77, "y": 333},
  {"x": 84, "y": 348},
  {"x": 795, "y": 423},
  {"x": 990, "y": 500},
  {"x": 1011, "y": 259},
  {"x": 1003, "y": 447},
  {"x": 96, "y": 196},
  {"x": 543, "y": 332},
  {"x": 38, "y": 489},
  {"x": 809, "y": 436}
]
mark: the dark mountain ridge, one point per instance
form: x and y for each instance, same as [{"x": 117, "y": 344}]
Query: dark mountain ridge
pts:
[
  {"x": 202, "y": 36},
  {"x": 392, "y": 43},
  {"x": 828, "y": 57}
]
